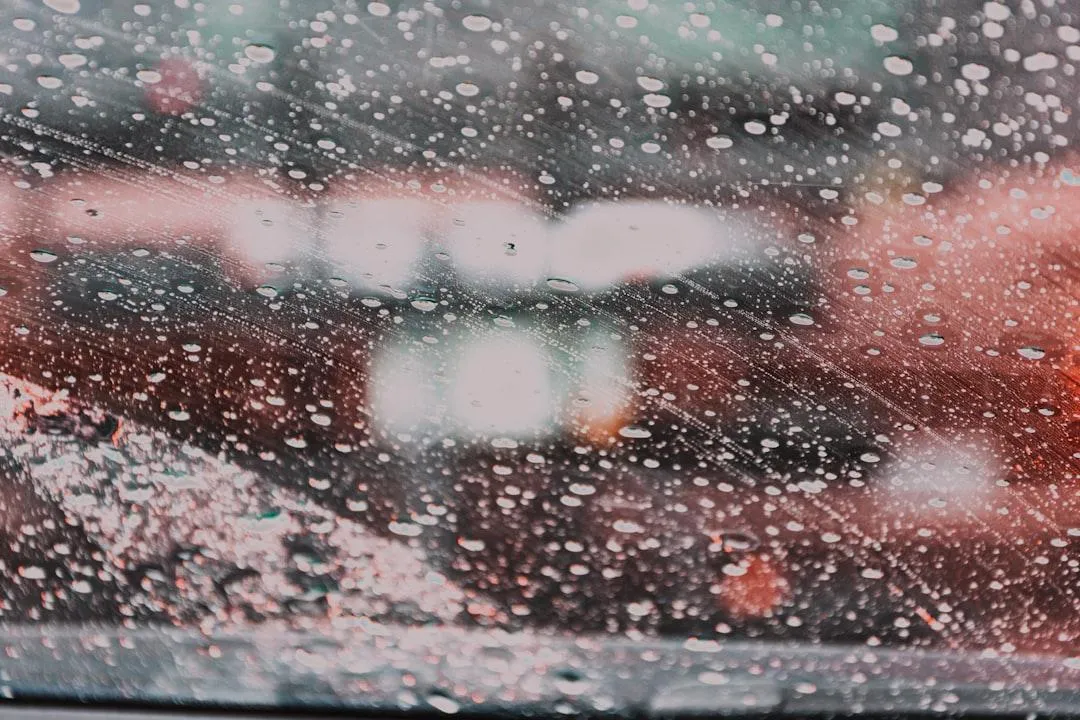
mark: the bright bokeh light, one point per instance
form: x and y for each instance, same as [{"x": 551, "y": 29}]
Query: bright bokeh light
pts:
[
  {"x": 602, "y": 244},
  {"x": 403, "y": 394},
  {"x": 497, "y": 243},
  {"x": 503, "y": 386},
  {"x": 602, "y": 383},
  {"x": 267, "y": 231},
  {"x": 376, "y": 243}
]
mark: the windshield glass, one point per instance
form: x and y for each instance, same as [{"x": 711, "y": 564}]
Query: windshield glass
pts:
[{"x": 733, "y": 323}]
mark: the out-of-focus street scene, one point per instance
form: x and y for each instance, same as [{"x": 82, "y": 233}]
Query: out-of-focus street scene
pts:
[{"x": 718, "y": 320}]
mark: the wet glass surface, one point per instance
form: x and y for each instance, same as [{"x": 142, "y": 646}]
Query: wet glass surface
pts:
[{"x": 638, "y": 320}]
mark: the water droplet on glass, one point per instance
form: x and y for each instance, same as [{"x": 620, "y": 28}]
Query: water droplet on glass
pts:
[
  {"x": 898, "y": 65},
  {"x": 755, "y": 127},
  {"x": 650, "y": 84},
  {"x": 932, "y": 340},
  {"x": 586, "y": 77},
  {"x": 267, "y": 291},
  {"x": 68, "y": 7},
  {"x": 476, "y": 23},
  {"x": 259, "y": 53},
  {"x": 562, "y": 285},
  {"x": 378, "y": 9},
  {"x": 656, "y": 100},
  {"x": 467, "y": 89},
  {"x": 1031, "y": 352},
  {"x": 443, "y": 704},
  {"x": 635, "y": 432},
  {"x": 801, "y": 319},
  {"x": 719, "y": 142},
  {"x": 43, "y": 256},
  {"x": 884, "y": 33}
]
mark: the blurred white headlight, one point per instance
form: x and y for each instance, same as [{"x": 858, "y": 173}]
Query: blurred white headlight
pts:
[
  {"x": 403, "y": 389},
  {"x": 498, "y": 244},
  {"x": 502, "y": 385},
  {"x": 602, "y": 244},
  {"x": 600, "y": 380},
  {"x": 376, "y": 243},
  {"x": 268, "y": 231},
  {"x": 495, "y": 383}
]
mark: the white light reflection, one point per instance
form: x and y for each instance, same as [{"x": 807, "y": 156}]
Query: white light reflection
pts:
[
  {"x": 267, "y": 231},
  {"x": 503, "y": 385},
  {"x": 376, "y": 243},
  {"x": 498, "y": 243},
  {"x": 603, "y": 244},
  {"x": 498, "y": 383},
  {"x": 404, "y": 397},
  {"x": 960, "y": 477},
  {"x": 603, "y": 382}
]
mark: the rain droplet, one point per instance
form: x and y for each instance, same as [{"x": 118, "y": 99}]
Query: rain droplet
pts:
[
  {"x": 889, "y": 129},
  {"x": 655, "y": 100},
  {"x": 562, "y": 285},
  {"x": 267, "y": 291},
  {"x": 650, "y": 84},
  {"x": 32, "y": 572},
  {"x": 884, "y": 33},
  {"x": 719, "y": 142},
  {"x": 467, "y": 89},
  {"x": 898, "y": 65},
  {"x": 259, "y": 53},
  {"x": 755, "y": 127},
  {"x": 424, "y": 304},
  {"x": 932, "y": 340},
  {"x": 904, "y": 263},
  {"x": 1040, "y": 61},
  {"x": 72, "y": 60},
  {"x": 43, "y": 256},
  {"x": 49, "y": 82},
  {"x": 179, "y": 415},
  {"x": 443, "y": 704},
  {"x": 107, "y": 295},
  {"x": 586, "y": 77},
  {"x": 635, "y": 432},
  {"x": 975, "y": 72},
  {"x": 1031, "y": 352},
  {"x": 68, "y": 7},
  {"x": 476, "y": 23},
  {"x": 801, "y": 319}
]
